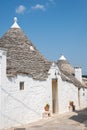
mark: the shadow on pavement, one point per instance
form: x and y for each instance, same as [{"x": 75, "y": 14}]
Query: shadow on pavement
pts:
[
  {"x": 81, "y": 116},
  {"x": 19, "y": 128}
]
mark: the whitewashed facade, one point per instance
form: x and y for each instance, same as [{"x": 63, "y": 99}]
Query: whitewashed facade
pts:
[{"x": 20, "y": 106}]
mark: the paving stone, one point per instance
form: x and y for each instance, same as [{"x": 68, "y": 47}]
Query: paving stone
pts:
[{"x": 70, "y": 121}]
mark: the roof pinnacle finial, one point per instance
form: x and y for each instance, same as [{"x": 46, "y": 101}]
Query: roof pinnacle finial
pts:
[
  {"x": 15, "y": 25},
  {"x": 62, "y": 57},
  {"x": 15, "y": 19}
]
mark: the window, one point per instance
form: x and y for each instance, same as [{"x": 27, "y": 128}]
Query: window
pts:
[{"x": 21, "y": 85}]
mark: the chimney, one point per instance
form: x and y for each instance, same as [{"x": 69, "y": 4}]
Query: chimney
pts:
[{"x": 78, "y": 73}]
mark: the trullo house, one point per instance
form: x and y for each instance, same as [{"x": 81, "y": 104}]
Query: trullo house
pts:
[{"x": 28, "y": 81}]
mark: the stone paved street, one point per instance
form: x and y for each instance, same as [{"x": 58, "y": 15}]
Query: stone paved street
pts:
[{"x": 70, "y": 121}]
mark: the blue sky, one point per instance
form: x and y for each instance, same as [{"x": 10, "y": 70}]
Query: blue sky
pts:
[{"x": 54, "y": 26}]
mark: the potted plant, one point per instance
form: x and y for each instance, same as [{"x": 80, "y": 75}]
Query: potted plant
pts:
[
  {"x": 71, "y": 106},
  {"x": 47, "y": 106},
  {"x": 71, "y": 103}
]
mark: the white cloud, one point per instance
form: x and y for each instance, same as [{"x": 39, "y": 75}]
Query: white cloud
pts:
[
  {"x": 38, "y": 7},
  {"x": 20, "y": 9}
]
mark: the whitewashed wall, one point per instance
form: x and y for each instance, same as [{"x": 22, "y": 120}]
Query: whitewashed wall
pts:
[
  {"x": 23, "y": 106},
  {"x": 66, "y": 92},
  {"x": 0, "y": 89},
  {"x": 2, "y": 79},
  {"x": 83, "y": 99},
  {"x": 18, "y": 107},
  {"x": 0, "y": 104}
]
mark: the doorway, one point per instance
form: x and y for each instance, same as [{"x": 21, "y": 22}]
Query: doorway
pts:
[{"x": 54, "y": 95}]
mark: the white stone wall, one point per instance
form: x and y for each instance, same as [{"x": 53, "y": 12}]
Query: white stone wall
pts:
[
  {"x": 18, "y": 107},
  {"x": 0, "y": 104},
  {"x": 23, "y": 106},
  {"x": 2, "y": 78},
  {"x": 0, "y": 90},
  {"x": 83, "y": 99},
  {"x": 66, "y": 92}
]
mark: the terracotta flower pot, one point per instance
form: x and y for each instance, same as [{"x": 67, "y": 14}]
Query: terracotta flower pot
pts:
[
  {"x": 71, "y": 103},
  {"x": 47, "y": 107}
]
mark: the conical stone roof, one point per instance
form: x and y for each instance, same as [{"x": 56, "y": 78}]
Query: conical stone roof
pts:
[
  {"x": 65, "y": 66},
  {"x": 22, "y": 56},
  {"x": 68, "y": 72}
]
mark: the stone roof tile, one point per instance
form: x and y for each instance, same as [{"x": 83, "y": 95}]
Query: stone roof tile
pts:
[{"x": 21, "y": 58}]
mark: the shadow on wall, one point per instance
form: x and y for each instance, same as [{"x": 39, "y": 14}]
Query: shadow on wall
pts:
[
  {"x": 81, "y": 117},
  {"x": 20, "y": 102}
]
